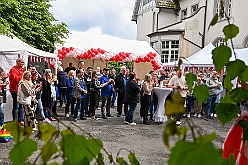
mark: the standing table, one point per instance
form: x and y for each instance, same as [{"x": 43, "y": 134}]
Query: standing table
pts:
[{"x": 162, "y": 93}]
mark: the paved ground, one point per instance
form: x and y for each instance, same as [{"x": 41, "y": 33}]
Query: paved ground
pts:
[{"x": 145, "y": 140}]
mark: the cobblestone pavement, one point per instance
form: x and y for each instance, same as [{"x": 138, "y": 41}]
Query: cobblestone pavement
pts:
[{"x": 145, "y": 140}]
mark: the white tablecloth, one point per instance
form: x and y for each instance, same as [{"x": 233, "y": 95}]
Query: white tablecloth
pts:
[{"x": 162, "y": 93}]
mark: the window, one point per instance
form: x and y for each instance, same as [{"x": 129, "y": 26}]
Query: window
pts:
[
  {"x": 223, "y": 8},
  {"x": 184, "y": 13},
  {"x": 169, "y": 51},
  {"x": 194, "y": 8}
]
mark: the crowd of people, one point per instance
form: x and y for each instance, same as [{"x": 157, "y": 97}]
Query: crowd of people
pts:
[{"x": 80, "y": 91}]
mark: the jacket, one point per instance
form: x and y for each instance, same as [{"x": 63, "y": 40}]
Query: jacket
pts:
[
  {"x": 120, "y": 81},
  {"x": 79, "y": 89},
  {"x": 62, "y": 76},
  {"x": 132, "y": 92},
  {"x": 211, "y": 83},
  {"x": 15, "y": 75},
  {"x": 70, "y": 85}
]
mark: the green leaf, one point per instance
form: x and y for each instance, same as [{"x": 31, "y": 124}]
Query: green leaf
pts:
[
  {"x": 244, "y": 125},
  {"x": 226, "y": 112},
  {"x": 230, "y": 161},
  {"x": 121, "y": 161},
  {"x": 17, "y": 131},
  {"x": 54, "y": 163},
  {"x": 244, "y": 75},
  {"x": 111, "y": 159},
  {"x": 100, "y": 158},
  {"x": 201, "y": 93},
  {"x": 230, "y": 31},
  {"x": 234, "y": 68},
  {"x": 227, "y": 98},
  {"x": 190, "y": 78},
  {"x": 133, "y": 160},
  {"x": 214, "y": 21},
  {"x": 46, "y": 131},
  {"x": 175, "y": 105},
  {"x": 47, "y": 151},
  {"x": 221, "y": 56},
  {"x": 22, "y": 150},
  {"x": 188, "y": 153},
  {"x": 71, "y": 152},
  {"x": 228, "y": 83},
  {"x": 171, "y": 129},
  {"x": 238, "y": 94},
  {"x": 206, "y": 139},
  {"x": 95, "y": 146}
]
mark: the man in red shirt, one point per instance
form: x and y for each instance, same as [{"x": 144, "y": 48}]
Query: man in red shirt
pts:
[{"x": 15, "y": 75}]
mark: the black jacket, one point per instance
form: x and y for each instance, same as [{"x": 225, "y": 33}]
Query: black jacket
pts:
[
  {"x": 132, "y": 93},
  {"x": 119, "y": 83}
]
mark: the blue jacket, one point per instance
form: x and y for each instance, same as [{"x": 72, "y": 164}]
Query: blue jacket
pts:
[
  {"x": 70, "y": 85},
  {"x": 62, "y": 76}
]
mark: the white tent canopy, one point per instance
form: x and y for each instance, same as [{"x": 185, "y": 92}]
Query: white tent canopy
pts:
[
  {"x": 87, "y": 40},
  {"x": 203, "y": 58},
  {"x": 11, "y": 47}
]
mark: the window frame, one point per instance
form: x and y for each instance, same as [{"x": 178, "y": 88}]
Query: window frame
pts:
[
  {"x": 197, "y": 7},
  {"x": 171, "y": 51},
  {"x": 183, "y": 15}
]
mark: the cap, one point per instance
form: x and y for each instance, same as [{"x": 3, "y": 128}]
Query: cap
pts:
[{"x": 105, "y": 69}]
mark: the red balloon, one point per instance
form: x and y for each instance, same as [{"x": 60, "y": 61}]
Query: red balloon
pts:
[
  {"x": 52, "y": 65},
  {"x": 67, "y": 50}
]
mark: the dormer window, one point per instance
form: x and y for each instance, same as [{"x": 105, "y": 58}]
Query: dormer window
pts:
[
  {"x": 194, "y": 8},
  {"x": 184, "y": 13}
]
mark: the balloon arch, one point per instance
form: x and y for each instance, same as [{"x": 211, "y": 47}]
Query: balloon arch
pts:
[{"x": 92, "y": 53}]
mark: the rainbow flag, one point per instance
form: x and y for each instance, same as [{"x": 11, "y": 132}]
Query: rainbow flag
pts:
[{"x": 5, "y": 136}]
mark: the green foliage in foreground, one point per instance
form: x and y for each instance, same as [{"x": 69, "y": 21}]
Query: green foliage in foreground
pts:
[{"x": 72, "y": 148}]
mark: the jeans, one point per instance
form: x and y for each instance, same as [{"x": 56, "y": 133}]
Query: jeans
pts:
[
  {"x": 62, "y": 95},
  {"x": 210, "y": 105},
  {"x": 40, "y": 107},
  {"x": 48, "y": 112},
  {"x": 130, "y": 112},
  {"x": 80, "y": 106},
  {"x": 93, "y": 102},
  {"x": 145, "y": 104},
  {"x": 189, "y": 102},
  {"x": 87, "y": 102},
  {"x": 113, "y": 98},
  {"x": 1, "y": 115},
  {"x": 104, "y": 100},
  {"x": 70, "y": 102},
  {"x": 17, "y": 111},
  {"x": 120, "y": 102},
  {"x": 153, "y": 105}
]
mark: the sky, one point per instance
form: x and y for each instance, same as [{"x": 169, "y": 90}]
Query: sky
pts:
[{"x": 110, "y": 17}]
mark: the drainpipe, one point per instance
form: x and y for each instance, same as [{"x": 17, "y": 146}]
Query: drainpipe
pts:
[
  {"x": 204, "y": 25},
  {"x": 157, "y": 19}
]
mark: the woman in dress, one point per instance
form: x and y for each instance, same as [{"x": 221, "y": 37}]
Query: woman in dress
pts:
[{"x": 147, "y": 87}]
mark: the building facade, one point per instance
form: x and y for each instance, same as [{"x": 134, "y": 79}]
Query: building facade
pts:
[{"x": 177, "y": 28}]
